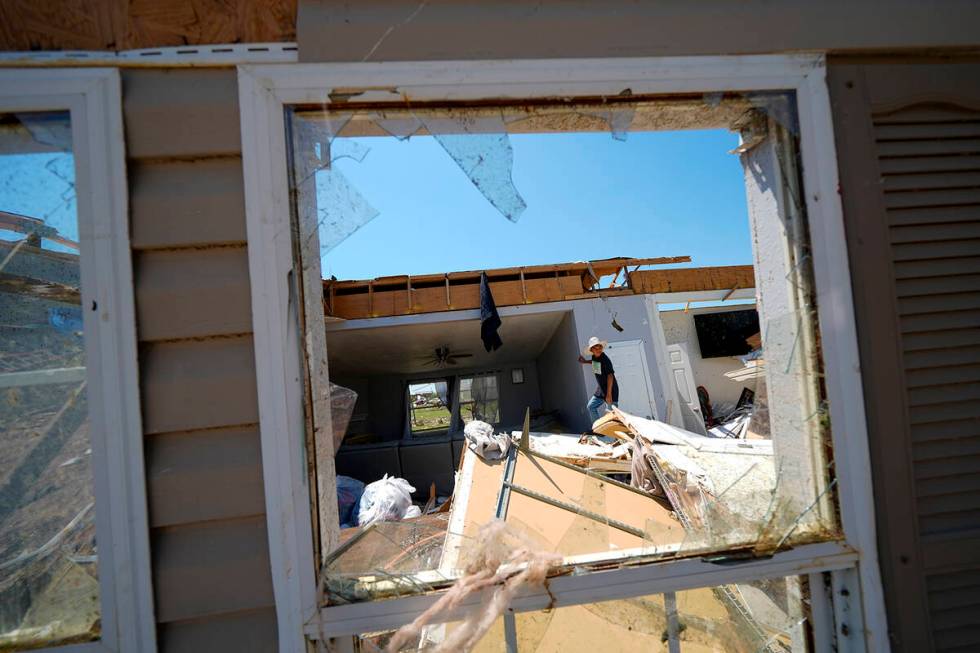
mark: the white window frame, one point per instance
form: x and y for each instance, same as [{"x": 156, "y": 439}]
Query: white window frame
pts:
[
  {"x": 264, "y": 91},
  {"x": 93, "y": 98}
]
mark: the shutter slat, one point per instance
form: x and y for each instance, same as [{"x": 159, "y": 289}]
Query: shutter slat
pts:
[
  {"x": 933, "y": 232},
  {"x": 933, "y": 376},
  {"x": 932, "y": 285},
  {"x": 941, "y": 197},
  {"x": 940, "y": 321},
  {"x": 934, "y": 459},
  {"x": 967, "y": 501},
  {"x": 912, "y": 342},
  {"x": 938, "y": 303},
  {"x": 937, "y": 267},
  {"x": 926, "y": 164},
  {"x": 930, "y": 181},
  {"x": 941, "y": 394},
  {"x": 948, "y": 522},
  {"x": 934, "y": 251},
  {"x": 933, "y": 215},
  {"x": 943, "y": 582},
  {"x": 944, "y": 412},
  {"x": 951, "y": 484},
  {"x": 928, "y": 148},
  {"x": 927, "y": 131},
  {"x": 951, "y": 429}
]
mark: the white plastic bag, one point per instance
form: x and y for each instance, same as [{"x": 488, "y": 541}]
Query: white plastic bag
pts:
[
  {"x": 385, "y": 500},
  {"x": 484, "y": 442}
]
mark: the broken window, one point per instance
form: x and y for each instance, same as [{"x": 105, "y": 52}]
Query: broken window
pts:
[
  {"x": 671, "y": 472},
  {"x": 479, "y": 399},
  {"x": 49, "y": 558}
]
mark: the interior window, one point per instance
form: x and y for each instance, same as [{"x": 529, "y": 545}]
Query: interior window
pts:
[
  {"x": 479, "y": 399},
  {"x": 429, "y": 406}
]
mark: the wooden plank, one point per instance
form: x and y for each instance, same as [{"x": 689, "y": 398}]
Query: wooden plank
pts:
[
  {"x": 183, "y": 468},
  {"x": 187, "y": 203},
  {"x": 192, "y": 293},
  {"x": 384, "y": 298},
  {"x": 211, "y": 568},
  {"x": 693, "y": 279},
  {"x": 253, "y": 631},
  {"x": 608, "y": 266},
  {"x": 198, "y": 384},
  {"x": 181, "y": 113}
]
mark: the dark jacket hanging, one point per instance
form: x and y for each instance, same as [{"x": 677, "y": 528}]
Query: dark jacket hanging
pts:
[{"x": 489, "y": 319}]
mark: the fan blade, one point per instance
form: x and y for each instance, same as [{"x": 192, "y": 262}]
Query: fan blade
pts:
[
  {"x": 451, "y": 361},
  {"x": 462, "y": 355}
]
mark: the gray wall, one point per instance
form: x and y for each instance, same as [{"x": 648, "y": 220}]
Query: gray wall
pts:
[
  {"x": 594, "y": 318},
  {"x": 384, "y": 395},
  {"x": 562, "y": 386},
  {"x": 395, "y": 30},
  {"x": 209, "y": 547}
]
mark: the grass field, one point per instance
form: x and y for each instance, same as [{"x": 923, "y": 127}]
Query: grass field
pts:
[{"x": 430, "y": 418}]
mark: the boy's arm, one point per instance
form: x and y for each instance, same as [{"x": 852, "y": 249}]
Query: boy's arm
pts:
[{"x": 609, "y": 387}]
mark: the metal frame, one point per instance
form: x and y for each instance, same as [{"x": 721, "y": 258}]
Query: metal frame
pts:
[
  {"x": 265, "y": 90},
  {"x": 93, "y": 98}
]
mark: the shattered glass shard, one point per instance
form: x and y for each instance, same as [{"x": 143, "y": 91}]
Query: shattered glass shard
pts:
[
  {"x": 488, "y": 160},
  {"x": 341, "y": 209}
]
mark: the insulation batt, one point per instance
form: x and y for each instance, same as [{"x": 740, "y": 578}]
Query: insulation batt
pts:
[{"x": 386, "y": 500}]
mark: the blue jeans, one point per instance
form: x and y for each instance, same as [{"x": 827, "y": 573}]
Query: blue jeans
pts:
[{"x": 595, "y": 403}]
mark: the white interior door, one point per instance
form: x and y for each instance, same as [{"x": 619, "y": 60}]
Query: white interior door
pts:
[
  {"x": 633, "y": 375},
  {"x": 687, "y": 391}
]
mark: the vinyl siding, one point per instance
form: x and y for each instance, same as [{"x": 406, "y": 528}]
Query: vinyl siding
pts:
[{"x": 209, "y": 544}]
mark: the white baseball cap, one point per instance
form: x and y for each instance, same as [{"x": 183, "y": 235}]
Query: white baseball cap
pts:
[{"x": 593, "y": 341}]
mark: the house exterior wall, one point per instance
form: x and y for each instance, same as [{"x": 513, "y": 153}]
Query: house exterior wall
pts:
[
  {"x": 209, "y": 547},
  {"x": 209, "y": 543},
  {"x": 394, "y": 30},
  {"x": 708, "y": 372}
]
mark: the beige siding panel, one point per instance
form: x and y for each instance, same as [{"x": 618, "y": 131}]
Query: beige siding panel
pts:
[
  {"x": 198, "y": 384},
  {"x": 181, "y": 113},
  {"x": 192, "y": 293},
  {"x": 245, "y": 632},
  {"x": 211, "y": 568},
  {"x": 183, "y": 203},
  {"x": 394, "y": 30},
  {"x": 204, "y": 475}
]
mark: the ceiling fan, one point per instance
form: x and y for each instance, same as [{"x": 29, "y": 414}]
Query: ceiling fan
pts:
[{"x": 443, "y": 356}]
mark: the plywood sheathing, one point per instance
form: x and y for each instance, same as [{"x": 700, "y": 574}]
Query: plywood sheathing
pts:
[
  {"x": 137, "y": 24},
  {"x": 453, "y": 291}
]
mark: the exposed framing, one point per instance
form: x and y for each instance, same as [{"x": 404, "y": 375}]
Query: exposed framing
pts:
[
  {"x": 93, "y": 97},
  {"x": 264, "y": 90}
]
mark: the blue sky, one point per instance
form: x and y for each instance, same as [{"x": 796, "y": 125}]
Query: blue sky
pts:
[
  {"x": 588, "y": 196},
  {"x": 40, "y": 185}
]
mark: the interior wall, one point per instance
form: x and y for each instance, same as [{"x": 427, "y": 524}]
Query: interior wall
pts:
[
  {"x": 594, "y": 318},
  {"x": 708, "y": 372},
  {"x": 560, "y": 379},
  {"x": 382, "y": 397}
]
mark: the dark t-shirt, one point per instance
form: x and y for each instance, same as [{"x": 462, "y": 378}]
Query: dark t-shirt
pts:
[{"x": 602, "y": 367}]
